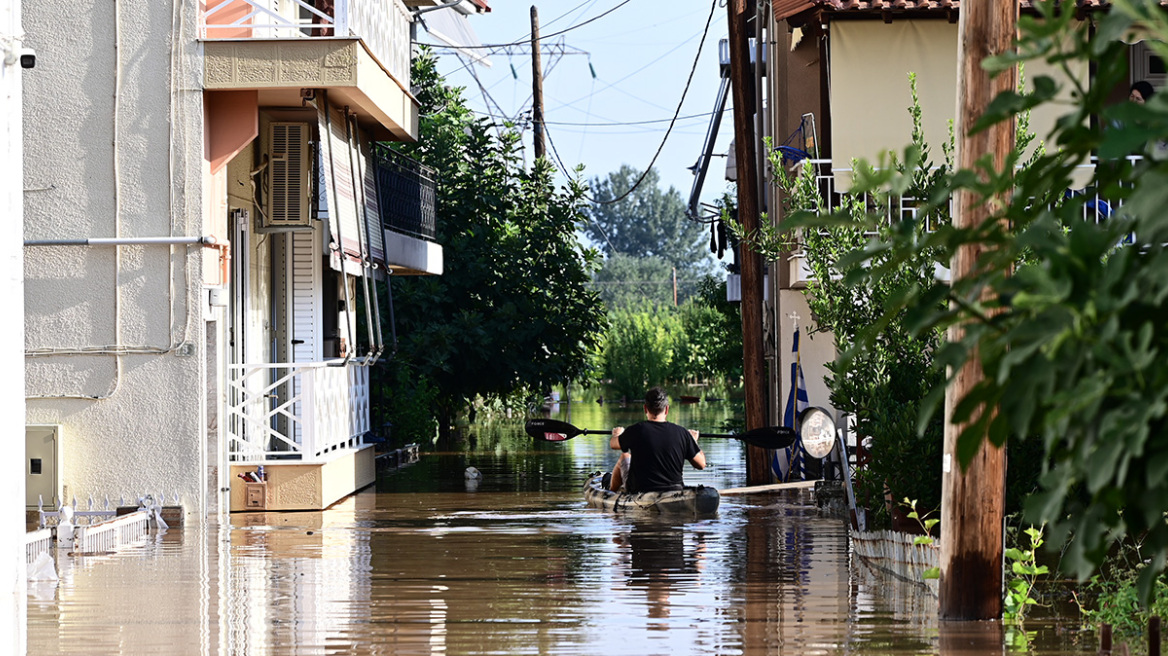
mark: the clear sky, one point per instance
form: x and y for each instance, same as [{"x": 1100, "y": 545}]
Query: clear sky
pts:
[{"x": 642, "y": 53}]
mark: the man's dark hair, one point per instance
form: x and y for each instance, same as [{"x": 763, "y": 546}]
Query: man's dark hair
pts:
[
  {"x": 656, "y": 401},
  {"x": 1145, "y": 88}
]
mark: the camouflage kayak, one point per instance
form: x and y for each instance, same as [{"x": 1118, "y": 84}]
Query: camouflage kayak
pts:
[{"x": 699, "y": 500}]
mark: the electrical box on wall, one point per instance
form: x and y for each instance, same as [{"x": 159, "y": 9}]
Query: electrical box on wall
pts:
[{"x": 42, "y": 446}]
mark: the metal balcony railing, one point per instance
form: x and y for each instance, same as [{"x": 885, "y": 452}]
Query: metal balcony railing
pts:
[
  {"x": 1095, "y": 207},
  {"x": 407, "y": 193},
  {"x": 382, "y": 25},
  {"x": 298, "y": 411}
]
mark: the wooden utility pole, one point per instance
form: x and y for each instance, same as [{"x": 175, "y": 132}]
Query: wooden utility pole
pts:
[
  {"x": 536, "y": 86},
  {"x": 973, "y": 498},
  {"x": 742, "y": 87}
]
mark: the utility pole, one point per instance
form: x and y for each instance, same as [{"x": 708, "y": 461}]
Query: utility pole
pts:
[
  {"x": 754, "y": 381},
  {"x": 973, "y": 498},
  {"x": 536, "y": 86}
]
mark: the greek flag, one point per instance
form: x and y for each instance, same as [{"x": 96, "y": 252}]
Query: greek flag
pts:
[{"x": 788, "y": 463}]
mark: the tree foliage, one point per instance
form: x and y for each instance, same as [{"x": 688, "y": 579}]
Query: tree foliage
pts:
[
  {"x": 648, "y": 222},
  {"x": 626, "y": 280},
  {"x": 655, "y": 344},
  {"x": 1065, "y": 317},
  {"x": 884, "y": 385},
  {"x": 888, "y": 371},
  {"x": 512, "y": 310}
]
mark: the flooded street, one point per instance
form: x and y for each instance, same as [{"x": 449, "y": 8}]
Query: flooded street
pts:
[{"x": 429, "y": 563}]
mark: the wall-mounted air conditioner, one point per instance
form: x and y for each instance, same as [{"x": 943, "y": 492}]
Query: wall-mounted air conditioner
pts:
[{"x": 289, "y": 177}]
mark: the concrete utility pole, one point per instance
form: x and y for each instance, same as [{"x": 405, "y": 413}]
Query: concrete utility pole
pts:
[
  {"x": 742, "y": 87},
  {"x": 973, "y": 499},
  {"x": 536, "y": 86}
]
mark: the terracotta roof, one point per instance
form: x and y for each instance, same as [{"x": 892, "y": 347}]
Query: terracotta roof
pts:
[{"x": 786, "y": 8}]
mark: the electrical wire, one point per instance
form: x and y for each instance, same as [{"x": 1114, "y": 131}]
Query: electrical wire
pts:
[
  {"x": 684, "y": 92},
  {"x": 611, "y": 124},
  {"x": 544, "y": 36},
  {"x": 561, "y": 16}
]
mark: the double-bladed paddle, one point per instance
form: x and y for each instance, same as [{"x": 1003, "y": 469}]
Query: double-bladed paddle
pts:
[{"x": 552, "y": 430}]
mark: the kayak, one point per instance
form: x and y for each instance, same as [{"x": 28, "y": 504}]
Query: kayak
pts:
[{"x": 699, "y": 500}]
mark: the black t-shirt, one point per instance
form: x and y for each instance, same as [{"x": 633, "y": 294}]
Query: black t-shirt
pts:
[{"x": 660, "y": 450}]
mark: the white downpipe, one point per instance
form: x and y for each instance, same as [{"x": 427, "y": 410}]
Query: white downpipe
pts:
[{"x": 123, "y": 241}]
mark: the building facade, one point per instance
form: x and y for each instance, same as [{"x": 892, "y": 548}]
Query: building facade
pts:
[{"x": 210, "y": 206}]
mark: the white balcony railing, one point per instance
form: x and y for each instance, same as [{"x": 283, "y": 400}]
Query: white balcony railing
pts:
[
  {"x": 1095, "y": 208},
  {"x": 297, "y": 411},
  {"x": 382, "y": 25}
]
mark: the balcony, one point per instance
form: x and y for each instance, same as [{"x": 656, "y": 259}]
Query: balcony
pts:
[
  {"x": 296, "y": 411},
  {"x": 1095, "y": 208},
  {"x": 357, "y": 49},
  {"x": 407, "y": 192}
]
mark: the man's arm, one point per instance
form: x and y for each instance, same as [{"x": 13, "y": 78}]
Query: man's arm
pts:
[
  {"x": 698, "y": 461},
  {"x": 614, "y": 442}
]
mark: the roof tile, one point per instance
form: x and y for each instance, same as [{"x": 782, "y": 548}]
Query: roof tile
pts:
[{"x": 786, "y": 8}]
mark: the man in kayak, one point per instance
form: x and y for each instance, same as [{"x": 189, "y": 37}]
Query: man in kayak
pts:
[{"x": 654, "y": 451}]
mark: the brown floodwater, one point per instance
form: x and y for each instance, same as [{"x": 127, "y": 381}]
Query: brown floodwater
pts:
[{"x": 429, "y": 563}]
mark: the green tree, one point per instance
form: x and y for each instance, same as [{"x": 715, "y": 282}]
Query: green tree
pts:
[
  {"x": 888, "y": 371},
  {"x": 512, "y": 311},
  {"x": 625, "y": 280},
  {"x": 647, "y": 222},
  {"x": 1066, "y": 318}
]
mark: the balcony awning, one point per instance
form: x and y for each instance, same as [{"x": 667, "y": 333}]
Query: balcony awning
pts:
[
  {"x": 870, "y": 94},
  {"x": 350, "y": 192}
]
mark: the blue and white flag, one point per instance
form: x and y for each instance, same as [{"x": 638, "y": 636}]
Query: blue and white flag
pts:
[{"x": 788, "y": 463}]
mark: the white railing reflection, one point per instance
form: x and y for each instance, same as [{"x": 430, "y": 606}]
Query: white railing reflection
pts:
[
  {"x": 382, "y": 25},
  {"x": 296, "y": 410}
]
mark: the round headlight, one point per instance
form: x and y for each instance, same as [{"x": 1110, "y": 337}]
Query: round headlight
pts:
[{"x": 817, "y": 431}]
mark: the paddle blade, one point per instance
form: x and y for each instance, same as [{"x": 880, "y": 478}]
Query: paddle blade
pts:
[
  {"x": 551, "y": 430},
  {"x": 770, "y": 437}
]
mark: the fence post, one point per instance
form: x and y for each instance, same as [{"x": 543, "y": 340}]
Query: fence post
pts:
[
  {"x": 1104, "y": 639},
  {"x": 341, "y": 19},
  {"x": 308, "y": 414}
]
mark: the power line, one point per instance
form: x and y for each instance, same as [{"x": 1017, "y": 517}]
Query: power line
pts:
[
  {"x": 611, "y": 124},
  {"x": 547, "y": 36},
  {"x": 689, "y": 80}
]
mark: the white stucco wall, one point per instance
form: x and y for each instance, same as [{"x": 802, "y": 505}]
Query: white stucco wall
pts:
[
  {"x": 113, "y": 147},
  {"x": 13, "y": 591},
  {"x": 815, "y": 351}
]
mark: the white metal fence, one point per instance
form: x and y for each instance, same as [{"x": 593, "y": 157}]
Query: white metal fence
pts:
[
  {"x": 110, "y": 534},
  {"x": 296, "y": 410},
  {"x": 36, "y": 543},
  {"x": 896, "y": 554},
  {"x": 382, "y": 25}
]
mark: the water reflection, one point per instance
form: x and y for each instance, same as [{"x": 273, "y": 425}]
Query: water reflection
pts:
[
  {"x": 660, "y": 560},
  {"x": 423, "y": 564}
]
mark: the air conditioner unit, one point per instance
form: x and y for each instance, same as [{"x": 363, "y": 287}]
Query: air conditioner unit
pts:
[{"x": 288, "y": 177}]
